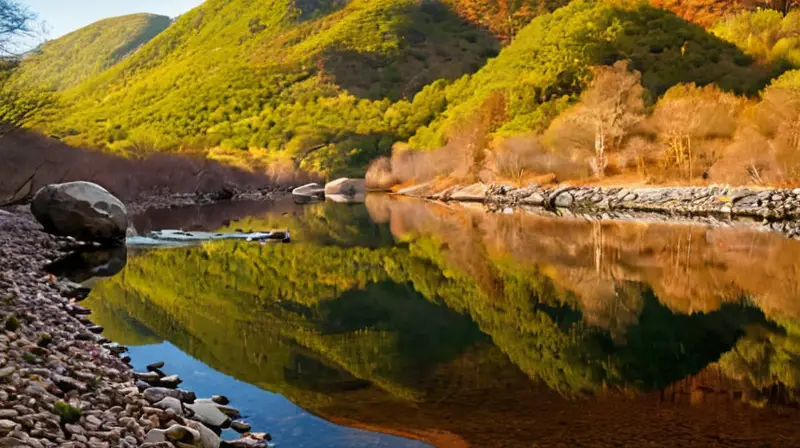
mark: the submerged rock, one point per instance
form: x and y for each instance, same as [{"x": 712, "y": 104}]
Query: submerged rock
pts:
[
  {"x": 209, "y": 414},
  {"x": 82, "y": 210}
]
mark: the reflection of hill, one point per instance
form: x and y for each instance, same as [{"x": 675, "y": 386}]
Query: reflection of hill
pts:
[{"x": 438, "y": 336}]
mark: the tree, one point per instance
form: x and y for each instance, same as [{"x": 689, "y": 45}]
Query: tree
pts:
[
  {"x": 16, "y": 21},
  {"x": 611, "y": 106}
]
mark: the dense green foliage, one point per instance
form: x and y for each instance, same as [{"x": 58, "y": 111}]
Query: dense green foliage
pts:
[
  {"x": 331, "y": 85},
  {"x": 548, "y": 64},
  {"x": 83, "y": 54},
  {"x": 310, "y": 85},
  {"x": 764, "y": 34}
]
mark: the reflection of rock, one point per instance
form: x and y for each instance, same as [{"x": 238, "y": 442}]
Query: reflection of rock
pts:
[
  {"x": 181, "y": 238},
  {"x": 359, "y": 198},
  {"x": 83, "y": 265},
  {"x": 308, "y": 193},
  {"x": 82, "y": 210}
]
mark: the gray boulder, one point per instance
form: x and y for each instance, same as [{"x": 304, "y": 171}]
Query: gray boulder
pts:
[
  {"x": 308, "y": 193},
  {"x": 209, "y": 414},
  {"x": 82, "y": 210},
  {"x": 345, "y": 186}
]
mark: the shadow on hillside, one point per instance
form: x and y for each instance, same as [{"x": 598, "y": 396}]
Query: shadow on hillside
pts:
[
  {"x": 669, "y": 50},
  {"x": 438, "y": 44},
  {"x": 31, "y": 161}
]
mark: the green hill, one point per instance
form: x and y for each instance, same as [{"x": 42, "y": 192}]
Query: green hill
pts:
[
  {"x": 548, "y": 64},
  {"x": 310, "y": 81},
  {"x": 329, "y": 85},
  {"x": 78, "y": 56}
]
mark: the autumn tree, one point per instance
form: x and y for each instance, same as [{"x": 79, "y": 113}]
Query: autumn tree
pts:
[
  {"x": 692, "y": 124},
  {"x": 609, "y": 108}
]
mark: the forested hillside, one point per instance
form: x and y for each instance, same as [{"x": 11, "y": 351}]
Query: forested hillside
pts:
[
  {"x": 66, "y": 62},
  {"x": 327, "y": 86},
  {"x": 309, "y": 82}
]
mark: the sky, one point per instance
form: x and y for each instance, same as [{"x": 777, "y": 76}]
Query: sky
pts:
[{"x": 65, "y": 16}]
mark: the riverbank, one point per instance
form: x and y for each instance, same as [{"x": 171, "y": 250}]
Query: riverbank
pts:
[
  {"x": 61, "y": 382},
  {"x": 775, "y": 209}
]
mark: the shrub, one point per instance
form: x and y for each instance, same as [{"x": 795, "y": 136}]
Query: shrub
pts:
[
  {"x": 68, "y": 414},
  {"x": 12, "y": 323}
]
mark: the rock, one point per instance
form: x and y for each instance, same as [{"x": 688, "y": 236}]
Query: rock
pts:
[
  {"x": 246, "y": 442},
  {"x": 82, "y": 210},
  {"x": 171, "y": 381},
  {"x": 470, "y": 193},
  {"x": 346, "y": 187},
  {"x": 148, "y": 377},
  {"x": 563, "y": 200},
  {"x": 308, "y": 193},
  {"x": 419, "y": 191},
  {"x": 208, "y": 439},
  {"x": 6, "y": 426},
  {"x": 156, "y": 394},
  {"x": 209, "y": 414},
  {"x": 241, "y": 427},
  {"x": 535, "y": 199},
  {"x": 170, "y": 403},
  {"x": 221, "y": 399},
  {"x": 155, "y": 366},
  {"x": 227, "y": 410}
]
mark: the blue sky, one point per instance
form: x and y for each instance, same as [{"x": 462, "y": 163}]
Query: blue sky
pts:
[{"x": 64, "y": 16}]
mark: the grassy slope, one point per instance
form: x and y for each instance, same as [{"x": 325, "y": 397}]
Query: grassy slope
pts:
[
  {"x": 312, "y": 83},
  {"x": 78, "y": 56}
]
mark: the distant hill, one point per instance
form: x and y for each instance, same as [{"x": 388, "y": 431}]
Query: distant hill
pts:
[
  {"x": 69, "y": 60},
  {"x": 308, "y": 80}
]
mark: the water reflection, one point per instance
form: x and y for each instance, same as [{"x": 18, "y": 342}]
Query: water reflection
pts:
[
  {"x": 81, "y": 266},
  {"x": 459, "y": 328}
]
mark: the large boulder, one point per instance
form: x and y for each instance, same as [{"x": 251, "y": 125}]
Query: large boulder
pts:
[
  {"x": 82, "y": 210},
  {"x": 308, "y": 193},
  {"x": 346, "y": 187}
]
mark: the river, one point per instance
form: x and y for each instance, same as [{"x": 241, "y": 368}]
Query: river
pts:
[{"x": 403, "y": 323}]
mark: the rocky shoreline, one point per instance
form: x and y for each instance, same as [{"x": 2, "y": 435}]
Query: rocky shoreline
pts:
[
  {"x": 63, "y": 384},
  {"x": 772, "y": 209}
]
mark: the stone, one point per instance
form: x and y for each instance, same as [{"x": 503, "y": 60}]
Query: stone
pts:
[
  {"x": 208, "y": 439},
  {"x": 171, "y": 381},
  {"x": 148, "y": 377},
  {"x": 359, "y": 198},
  {"x": 170, "y": 403},
  {"x": 563, "y": 200},
  {"x": 241, "y": 427},
  {"x": 221, "y": 399},
  {"x": 535, "y": 199},
  {"x": 6, "y": 426},
  {"x": 82, "y": 210},
  {"x": 246, "y": 442},
  {"x": 308, "y": 193},
  {"x": 470, "y": 193},
  {"x": 209, "y": 414},
  {"x": 156, "y": 394},
  {"x": 346, "y": 187},
  {"x": 155, "y": 366}
]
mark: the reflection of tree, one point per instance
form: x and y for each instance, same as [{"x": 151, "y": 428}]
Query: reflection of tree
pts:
[{"x": 393, "y": 315}]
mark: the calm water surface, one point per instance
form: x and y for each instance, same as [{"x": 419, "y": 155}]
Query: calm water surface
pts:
[{"x": 401, "y": 323}]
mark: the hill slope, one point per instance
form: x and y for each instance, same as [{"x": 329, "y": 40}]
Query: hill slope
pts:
[
  {"x": 67, "y": 61},
  {"x": 549, "y": 62},
  {"x": 309, "y": 81}
]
